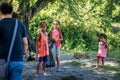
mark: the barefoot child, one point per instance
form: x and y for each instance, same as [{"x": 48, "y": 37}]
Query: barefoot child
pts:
[
  {"x": 56, "y": 36},
  {"x": 103, "y": 50},
  {"x": 42, "y": 46}
]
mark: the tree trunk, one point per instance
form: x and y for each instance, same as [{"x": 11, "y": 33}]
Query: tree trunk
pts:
[{"x": 26, "y": 13}]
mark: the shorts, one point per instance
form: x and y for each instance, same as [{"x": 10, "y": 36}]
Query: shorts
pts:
[
  {"x": 44, "y": 59},
  {"x": 100, "y": 57},
  {"x": 15, "y": 69},
  {"x": 56, "y": 51}
]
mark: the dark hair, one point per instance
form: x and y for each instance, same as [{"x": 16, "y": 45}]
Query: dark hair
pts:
[
  {"x": 43, "y": 24},
  {"x": 57, "y": 21},
  {"x": 103, "y": 35},
  {"x": 6, "y": 8}
]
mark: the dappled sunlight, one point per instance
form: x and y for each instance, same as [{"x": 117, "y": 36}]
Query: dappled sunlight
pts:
[
  {"x": 65, "y": 61},
  {"x": 79, "y": 68},
  {"x": 106, "y": 72},
  {"x": 80, "y": 24},
  {"x": 111, "y": 63}
]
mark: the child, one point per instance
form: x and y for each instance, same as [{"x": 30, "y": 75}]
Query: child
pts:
[
  {"x": 103, "y": 50},
  {"x": 56, "y": 36},
  {"x": 42, "y": 46}
]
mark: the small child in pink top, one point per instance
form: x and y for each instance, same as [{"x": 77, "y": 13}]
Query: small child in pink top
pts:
[{"x": 103, "y": 50}]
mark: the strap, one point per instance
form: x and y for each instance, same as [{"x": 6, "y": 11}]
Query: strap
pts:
[{"x": 12, "y": 42}]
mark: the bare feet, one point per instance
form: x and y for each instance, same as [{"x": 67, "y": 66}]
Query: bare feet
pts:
[
  {"x": 95, "y": 68},
  {"x": 44, "y": 73}
]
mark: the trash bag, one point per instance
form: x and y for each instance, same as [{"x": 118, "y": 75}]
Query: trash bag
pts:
[{"x": 51, "y": 60}]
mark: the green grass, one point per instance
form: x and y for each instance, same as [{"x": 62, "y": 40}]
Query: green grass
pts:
[
  {"x": 118, "y": 61},
  {"x": 117, "y": 76},
  {"x": 115, "y": 54},
  {"x": 75, "y": 63},
  {"x": 109, "y": 67}
]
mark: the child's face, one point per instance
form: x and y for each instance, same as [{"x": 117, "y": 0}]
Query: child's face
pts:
[
  {"x": 102, "y": 39},
  {"x": 56, "y": 25},
  {"x": 43, "y": 28}
]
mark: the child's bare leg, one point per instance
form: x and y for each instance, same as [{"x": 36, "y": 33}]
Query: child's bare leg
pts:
[
  {"x": 97, "y": 63},
  {"x": 58, "y": 64},
  {"x": 103, "y": 64},
  {"x": 58, "y": 58},
  {"x": 37, "y": 68},
  {"x": 44, "y": 67}
]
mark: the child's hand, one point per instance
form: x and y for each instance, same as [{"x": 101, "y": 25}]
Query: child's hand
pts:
[
  {"x": 56, "y": 39},
  {"x": 104, "y": 40},
  {"x": 38, "y": 50}
]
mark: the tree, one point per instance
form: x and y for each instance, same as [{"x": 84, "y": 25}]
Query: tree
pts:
[
  {"x": 81, "y": 22},
  {"x": 25, "y": 10}
]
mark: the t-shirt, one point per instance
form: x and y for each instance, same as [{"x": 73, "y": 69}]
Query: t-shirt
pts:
[
  {"x": 56, "y": 34},
  {"x": 102, "y": 50},
  {"x": 6, "y": 33}
]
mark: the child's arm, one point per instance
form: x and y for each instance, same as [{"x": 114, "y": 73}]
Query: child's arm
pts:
[
  {"x": 61, "y": 37},
  {"x": 38, "y": 39},
  {"x": 108, "y": 50},
  {"x": 51, "y": 36}
]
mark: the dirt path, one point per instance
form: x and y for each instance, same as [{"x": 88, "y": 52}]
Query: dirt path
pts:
[{"x": 73, "y": 69}]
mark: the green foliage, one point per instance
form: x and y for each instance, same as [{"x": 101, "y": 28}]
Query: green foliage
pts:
[
  {"x": 109, "y": 67},
  {"x": 75, "y": 63},
  {"x": 115, "y": 54},
  {"x": 81, "y": 23},
  {"x": 117, "y": 75}
]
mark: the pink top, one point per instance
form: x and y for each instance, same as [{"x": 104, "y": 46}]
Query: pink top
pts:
[
  {"x": 55, "y": 36},
  {"x": 102, "y": 50}
]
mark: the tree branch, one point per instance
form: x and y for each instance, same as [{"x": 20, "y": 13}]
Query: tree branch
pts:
[
  {"x": 39, "y": 5},
  {"x": 11, "y": 1}
]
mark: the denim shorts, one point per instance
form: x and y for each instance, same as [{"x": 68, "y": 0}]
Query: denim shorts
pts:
[
  {"x": 56, "y": 51},
  {"x": 15, "y": 69}
]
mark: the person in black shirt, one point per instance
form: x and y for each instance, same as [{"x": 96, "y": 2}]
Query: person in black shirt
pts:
[{"x": 7, "y": 24}]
